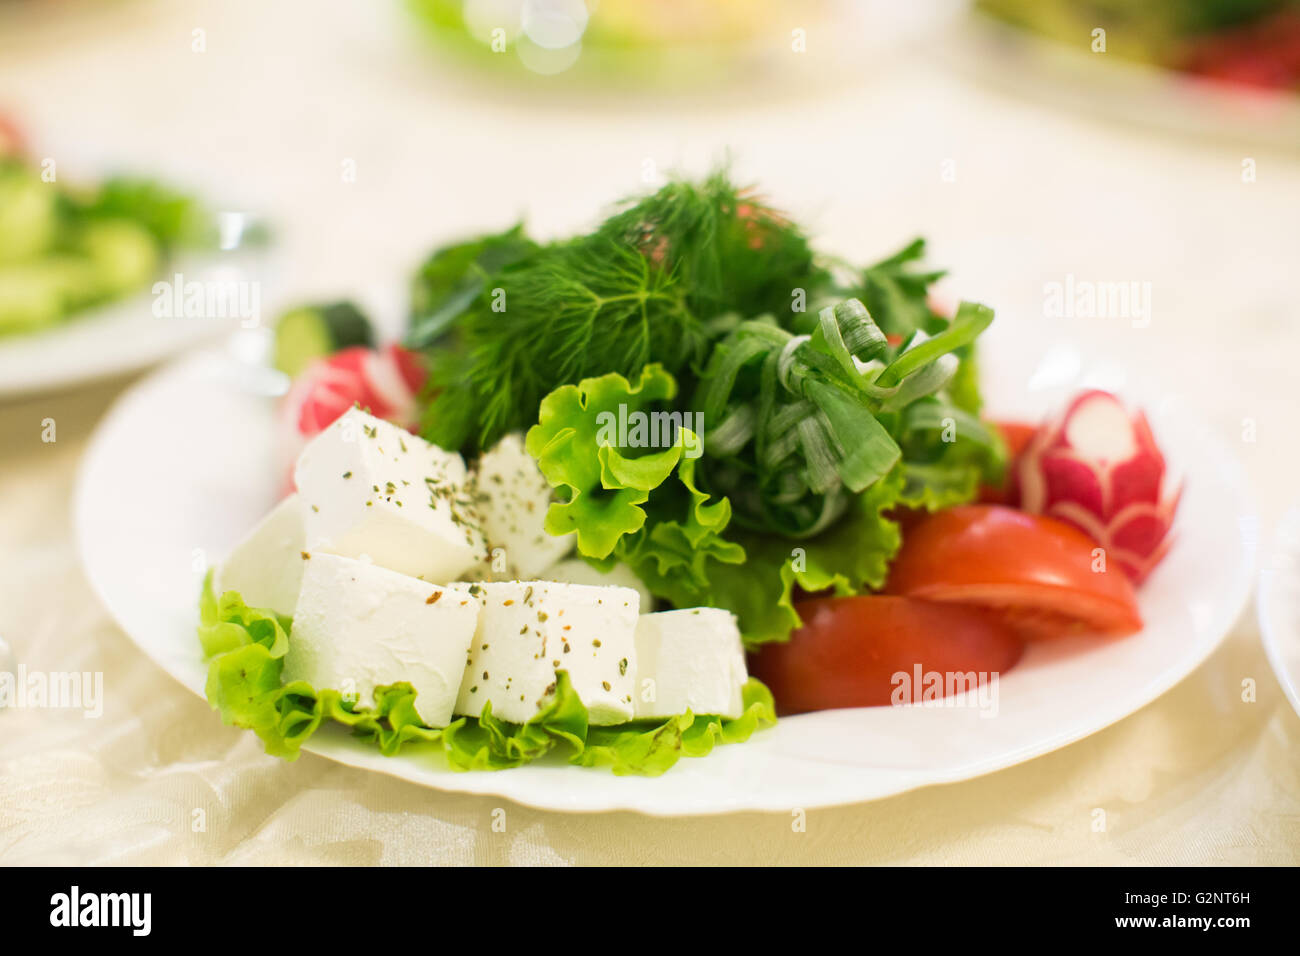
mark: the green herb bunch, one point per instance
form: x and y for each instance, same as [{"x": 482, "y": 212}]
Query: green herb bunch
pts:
[
  {"x": 830, "y": 396},
  {"x": 506, "y": 320}
]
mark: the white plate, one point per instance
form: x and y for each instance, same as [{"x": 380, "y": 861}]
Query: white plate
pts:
[
  {"x": 1279, "y": 606},
  {"x": 124, "y": 336},
  {"x": 185, "y": 463}
]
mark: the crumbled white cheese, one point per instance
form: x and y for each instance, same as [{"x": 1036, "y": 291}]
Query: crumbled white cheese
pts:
[
  {"x": 371, "y": 489},
  {"x": 266, "y": 567},
  {"x": 689, "y": 659},
  {"x": 528, "y": 630},
  {"x": 578, "y": 571},
  {"x": 512, "y": 497},
  {"x": 359, "y": 626}
]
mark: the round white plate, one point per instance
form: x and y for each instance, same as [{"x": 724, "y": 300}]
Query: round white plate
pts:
[
  {"x": 186, "y": 462},
  {"x": 1279, "y": 606},
  {"x": 126, "y": 336}
]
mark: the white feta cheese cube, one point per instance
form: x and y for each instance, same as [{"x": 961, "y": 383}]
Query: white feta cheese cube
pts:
[
  {"x": 359, "y": 626},
  {"x": 266, "y": 567},
  {"x": 528, "y": 630},
  {"x": 578, "y": 571},
  {"x": 689, "y": 659},
  {"x": 512, "y": 497},
  {"x": 371, "y": 489}
]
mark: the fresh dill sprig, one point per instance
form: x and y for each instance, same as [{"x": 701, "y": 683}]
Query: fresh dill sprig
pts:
[
  {"x": 506, "y": 321},
  {"x": 735, "y": 253}
]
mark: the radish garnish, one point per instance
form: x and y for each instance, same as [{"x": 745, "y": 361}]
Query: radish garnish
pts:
[
  {"x": 385, "y": 383},
  {"x": 1098, "y": 468}
]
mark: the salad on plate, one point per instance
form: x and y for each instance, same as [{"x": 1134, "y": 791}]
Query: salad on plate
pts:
[
  {"x": 68, "y": 248},
  {"x": 620, "y": 498}
]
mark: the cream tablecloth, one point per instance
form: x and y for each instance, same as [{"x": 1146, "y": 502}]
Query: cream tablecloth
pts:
[{"x": 286, "y": 92}]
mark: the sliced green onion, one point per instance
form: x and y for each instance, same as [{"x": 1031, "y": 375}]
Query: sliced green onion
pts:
[
  {"x": 789, "y": 416},
  {"x": 780, "y": 446},
  {"x": 734, "y": 433},
  {"x": 971, "y": 319},
  {"x": 925, "y": 382},
  {"x": 720, "y": 377},
  {"x": 861, "y": 336},
  {"x": 819, "y": 456},
  {"x": 785, "y": 363},
  {"x": 935, "y": 416},
  {"x": 869, "y": 451}
]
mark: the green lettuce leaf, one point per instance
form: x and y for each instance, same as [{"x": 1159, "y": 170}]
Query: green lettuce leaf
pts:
[
  {"x": 575, "y": 450},
  {"x": 631, "y": 509},
  {"x": 246, "y": 648},
  {"x": 675, "y": 558},
  {"x": 649, "y": 748},
  {"x": 492, "y": 744},
  {"x": 173, "y": 218},
  {"x": 947, "y": 454},
  {"x": 852, "y": 557}
]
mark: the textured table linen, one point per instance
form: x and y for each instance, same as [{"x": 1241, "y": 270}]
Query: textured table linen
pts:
[{"x": 285, "y": 93}]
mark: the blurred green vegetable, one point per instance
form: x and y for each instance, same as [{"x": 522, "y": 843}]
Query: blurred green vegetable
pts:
[{"x": 65, "y": 250}]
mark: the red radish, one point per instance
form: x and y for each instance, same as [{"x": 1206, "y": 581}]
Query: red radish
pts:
[
  {"x": 410, "y": 366},
  {"x": 1097, "y": 467},
  {"x": 11, "y": 139},
  {"x": 385, "y": 382}
]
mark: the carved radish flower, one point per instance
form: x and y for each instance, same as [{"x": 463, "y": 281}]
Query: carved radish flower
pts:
[
  {"x": 385, "y": 382},
  {"x": 1098, "y": 468}
]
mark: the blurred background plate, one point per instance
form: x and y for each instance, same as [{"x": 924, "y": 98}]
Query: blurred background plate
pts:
[
  {"x": 1192, "y": 67},
  {"x": 672, "y": 46},
  {"x": 126, "y": 336},
  {"x": 1279, "y": 606},
  {"x": 156, "y": 504}
]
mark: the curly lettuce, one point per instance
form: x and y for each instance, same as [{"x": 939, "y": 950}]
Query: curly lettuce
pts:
[
  {"x": 852, "y": 557},
  {"x": 603, "y": 489},
  {"x": 246, "y": 646},
  {"x": 645, "y": 511},
  {"x": 677, "y": 555},
  {"x": 648, "y": 748}
]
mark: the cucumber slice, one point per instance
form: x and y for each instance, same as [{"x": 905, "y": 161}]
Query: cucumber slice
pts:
[
  {"x": 124, "y": 254},
  {"x": 77, "y": 278},
  {"x": 28, "y": 214},
  {"x": 305, "y": 334},
  {"x": 28, "y": 300},
  {"x": 46, "y": 291}
]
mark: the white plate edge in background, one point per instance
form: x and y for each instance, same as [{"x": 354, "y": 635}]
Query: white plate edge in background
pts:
[{"x": 1278, "y": 605}]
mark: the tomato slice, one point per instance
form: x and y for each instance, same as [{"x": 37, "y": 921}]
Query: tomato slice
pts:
[
  {"x": 1043, "y": 575},
  {"x": 863, "y": 651}
]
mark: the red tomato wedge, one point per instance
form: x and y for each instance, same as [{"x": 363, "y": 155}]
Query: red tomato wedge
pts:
[
  {"x": 1043, "y": 576},
  {"x": 1015, "y": 435},
  {"x": 853, "y": 651}
]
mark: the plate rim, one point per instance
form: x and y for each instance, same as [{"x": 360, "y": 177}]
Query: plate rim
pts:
[
  {"x": 255, "y": 260},
  {"x": 1267, "y": 594}
]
